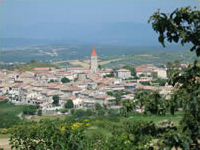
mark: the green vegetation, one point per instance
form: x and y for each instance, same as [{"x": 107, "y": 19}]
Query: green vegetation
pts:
[
  {"x": 160, "y": 81},
  {"x": 29, "y": 66},
  {"x": 30, "y": 110},
  {"x": 182, "y": 25},
  {"x": 69, "y": 104},
  {"x": 56, "y": 100},
  {"x": 157, "y": 58},
  {"x": 39, "y": 113},
  {"x": 98, "y": 106},
  {"x": 108, "y": 129},
  {"x": 65, "y": 80},
  {"x": 9, "y": 114}
]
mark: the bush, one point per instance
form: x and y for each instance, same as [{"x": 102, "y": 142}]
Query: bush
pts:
[
  {"x": 79, "y": 113},
  {"x": 39, "y": 112},
  {"x": 145, "y": 83},
  {"x": 48, "y": 135},
  {"x": 72, "y": 111},
  {"x": 64, "y": 110},
  {"x": 101, "y": 113},
  {"x": 4, "y": 131},
  {"x": 89, "y": 112},
  {"x": 30, "y": 110}
]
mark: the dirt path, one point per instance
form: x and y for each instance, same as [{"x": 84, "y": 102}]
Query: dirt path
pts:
[{"x": 4, "y": 143}]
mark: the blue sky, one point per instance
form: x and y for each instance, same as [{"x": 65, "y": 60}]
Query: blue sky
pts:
[{"x": 56, "y": 19}]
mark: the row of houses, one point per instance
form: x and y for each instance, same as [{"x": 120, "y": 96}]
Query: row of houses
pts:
[{"x": 38, "y": 87}]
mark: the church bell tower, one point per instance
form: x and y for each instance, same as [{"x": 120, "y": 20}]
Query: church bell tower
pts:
[{"x": 93, "y": 63}]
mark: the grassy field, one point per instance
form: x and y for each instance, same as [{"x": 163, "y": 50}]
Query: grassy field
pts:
[
  {"x": 8, "y": 117},
  {"x": 10, "y": 109},
  {"x": 158, "y": 59},
  {"x": 176, "y": 118},
  {"x": 9, "y": 114}
]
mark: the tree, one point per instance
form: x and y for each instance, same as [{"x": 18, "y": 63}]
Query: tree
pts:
[
  {"x": 39, "y": 113},
  {"x": 161, "y": 82},
  {"x": 128, "y": 106},
  {"x": 69, "y": 104},
  {"x": 30, "y": 110},
  {"x": 184, "y": 25},
  {"x": 98, "y": 106},
  {"x": 56, "y": 100},
  {"x": 32, "y": 61},
  {"x": 155, "y": 104},
  {"x": 100, "y": 67},
  {"x": 65, "y": 80},
  {"x": 111, "y": 75}
]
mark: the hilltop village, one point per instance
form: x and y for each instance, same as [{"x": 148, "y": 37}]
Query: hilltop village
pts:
[{"x": 84, "y": 86}]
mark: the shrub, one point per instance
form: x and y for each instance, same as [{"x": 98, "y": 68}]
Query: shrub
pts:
[
  {"x": 89, "y": 112},
  {"x": 39, "y": 112},
  {"x": 101, "y": 113},
  {"x": 30, "y": 110},
  {"x": 4, "y": 131},
  {"x": 79, "y": 113}
]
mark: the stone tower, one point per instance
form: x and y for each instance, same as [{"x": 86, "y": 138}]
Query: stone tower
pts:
[{"x": 94, "y": 63}]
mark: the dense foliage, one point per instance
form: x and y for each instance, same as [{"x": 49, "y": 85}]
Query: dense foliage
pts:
[
  {"x": 56, "y": 99},
  {"x": 69, "y": 104},
  {"x": 30, "y": 110},
  {"x": 183, "y": 24},
  {"x": 8, "y": 114},
  {"x": 65, "y": 80}
]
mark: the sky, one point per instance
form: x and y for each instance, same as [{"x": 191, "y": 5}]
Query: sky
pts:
[{"x": 82, "y": 19}]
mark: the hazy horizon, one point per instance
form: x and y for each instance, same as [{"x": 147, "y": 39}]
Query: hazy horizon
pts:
[{"x": 85, "y": 22}]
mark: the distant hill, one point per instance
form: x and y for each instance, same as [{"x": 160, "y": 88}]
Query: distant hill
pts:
[
  {"x": 28, "y": 66},
  {"x": 52, "y": 53}
]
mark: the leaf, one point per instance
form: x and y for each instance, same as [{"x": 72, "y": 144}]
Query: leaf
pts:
[{"x": 186, "y": 146}]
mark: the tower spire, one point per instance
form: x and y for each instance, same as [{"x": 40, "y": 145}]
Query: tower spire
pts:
[{"x": 93, "y": 52}]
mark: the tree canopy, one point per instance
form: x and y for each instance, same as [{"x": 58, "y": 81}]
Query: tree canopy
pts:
[
  {"x": 69, "y": 104},
  {"x": 65, "y": 80},
  {"x": 181, "y": 25},
  {"x": 56, "y": 100}
]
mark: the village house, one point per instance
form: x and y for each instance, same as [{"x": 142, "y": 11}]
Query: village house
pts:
[{"x": 123, "y": 73}]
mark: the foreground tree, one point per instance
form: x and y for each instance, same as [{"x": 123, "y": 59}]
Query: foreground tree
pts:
[
  {"x": 184, "y": 25},
  {"x": 181, "y": 25}
]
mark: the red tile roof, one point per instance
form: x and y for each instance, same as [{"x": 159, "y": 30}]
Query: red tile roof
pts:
[
  {"x": 138, "y": 69},
  {"x": 45, "y": 69},
  {"x": 73, "y": 88},
  {"x": 54, "y": 86}
]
